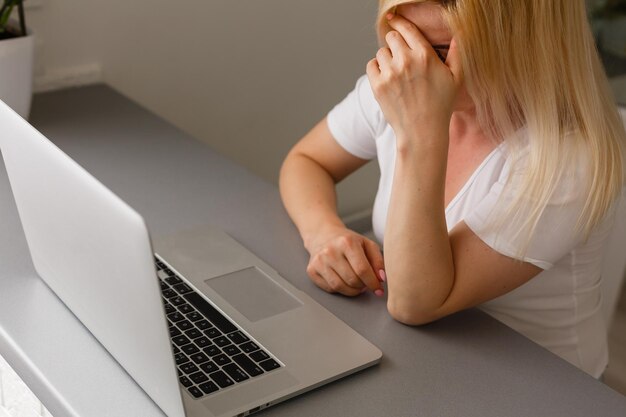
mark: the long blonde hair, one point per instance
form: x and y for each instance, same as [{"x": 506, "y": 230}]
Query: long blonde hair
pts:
[{"x": 533, "y": 64}]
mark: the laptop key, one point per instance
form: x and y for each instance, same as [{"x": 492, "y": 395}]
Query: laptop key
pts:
[
  {"x": 177, "y": 301},
  {"x": 169, "y": 293},
  {"x": 180, "y": 340},
  {"x": 259, "y": 356},
  {"x": 182, "y": 288},
  {"x": 180, "y": 359},
  {"x": 212, "y": 350},
  {"x": 238, "y": 337},
  {"x": 249, "y": 347},
  {"x": 210, "y": 312},
  {"x": 185, "y": 381},
  {"x": 198, "y": 377},
  {"x": 195, "y": 392},
  {"x": 199, "y": 358},
  {"x": 203, "y": 324},
  {"x": 185, "y": 308},
  {"x": 231, "y": 350},
  {"x": 235, "y": 372},
  {"x": 208, "y": 387},
  {"x": 188, "y": 368},
  {"x": 184, "y": 325},
  {"x": 221, "y": 341},
  {"x": 190, "y": 349},
  {"x": 175, "y": 317},
  {"x": 269, "y": 364},
  {"x": 209, "y": 367},
  {"x": 174, "y": 332},
  {"x": 212, "y": 332},
  {"x": 194, "y": 333},
  {"x": 221, "y": 379},
  {"x": 250, "y": 367},
  {"x": 169, "y": 309},
  {"x": 202, "y": 342},
  {"x": 195, "y": 316},
  {"x": 221, "y": 360}
]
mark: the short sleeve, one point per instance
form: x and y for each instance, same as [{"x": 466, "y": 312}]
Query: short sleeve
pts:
[
  {"x": 357, "y": 120},
  {"x": 556, "y": 233}
]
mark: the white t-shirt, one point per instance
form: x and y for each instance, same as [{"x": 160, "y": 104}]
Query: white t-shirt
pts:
[{"x": 560, "y": 308}]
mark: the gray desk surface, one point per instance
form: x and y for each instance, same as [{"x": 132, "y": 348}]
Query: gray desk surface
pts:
[{"x": 464, "y": 365}]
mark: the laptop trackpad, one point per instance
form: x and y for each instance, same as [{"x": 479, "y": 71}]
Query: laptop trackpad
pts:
[{"x": 253, "y": 293}]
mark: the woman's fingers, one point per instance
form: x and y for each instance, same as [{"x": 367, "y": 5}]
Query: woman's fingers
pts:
[
  {"x": 407, "y": 37},
  {"x": 396, "y": 43},
  {"x": 372, "y": 69},
  {"x": 453, "y": 61},
  {"x": 410, "y": 33},
  {"x": 330, "y": 281},
  {"x": 348, "y": 274},
  {"x": 362, "y": 268},
  {"x": 343, "y": 265},
  {"x": 375, "y": 257},
  {"x": 384, "y": 59}
]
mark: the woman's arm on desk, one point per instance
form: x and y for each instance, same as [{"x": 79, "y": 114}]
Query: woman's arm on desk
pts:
[{"x": 341, "y": 260}]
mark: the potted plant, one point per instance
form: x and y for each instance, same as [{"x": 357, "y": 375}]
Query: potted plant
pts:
[
  {"x": 612, "y": 34},
  {"x": 17, "y": 47}
]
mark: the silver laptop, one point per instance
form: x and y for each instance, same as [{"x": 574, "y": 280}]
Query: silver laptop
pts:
[{"x": 205, "y": 327}]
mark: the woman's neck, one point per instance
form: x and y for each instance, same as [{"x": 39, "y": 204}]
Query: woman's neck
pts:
[{"x": 464, "y": 126}]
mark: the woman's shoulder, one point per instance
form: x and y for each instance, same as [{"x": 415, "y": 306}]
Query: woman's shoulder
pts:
[{"x": 359, "y": 111}]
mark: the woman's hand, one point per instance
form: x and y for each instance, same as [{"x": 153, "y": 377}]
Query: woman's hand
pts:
[
  {"x": 345, "y": 262},
  {"x": 411, "y": 83}
]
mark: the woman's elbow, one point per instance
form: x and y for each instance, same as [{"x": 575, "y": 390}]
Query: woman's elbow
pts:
[
  {"x": 288, "y": 170},
  {"x": 286, "y": 165},
  {"x": 409, "y": 315}
]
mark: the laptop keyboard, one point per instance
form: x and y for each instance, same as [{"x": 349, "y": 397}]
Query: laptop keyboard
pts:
[{"x": 211, "y": 352}]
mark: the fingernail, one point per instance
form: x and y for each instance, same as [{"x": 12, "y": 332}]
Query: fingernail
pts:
[
  {"x": 379, "y": 293},
  {"x": 383, "y": 276}
]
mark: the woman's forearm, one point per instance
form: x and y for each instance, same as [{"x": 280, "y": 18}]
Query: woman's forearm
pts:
[
  {"x": 308, "y": 192},
  {"x": 342, "y": 261},
  {"x": 418, "y": 256}
]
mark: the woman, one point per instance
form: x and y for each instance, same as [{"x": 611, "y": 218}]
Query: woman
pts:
[{"x": 500, "y": 154}]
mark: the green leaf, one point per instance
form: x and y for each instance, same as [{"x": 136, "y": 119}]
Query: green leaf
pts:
[{"x": 5, "y": 13}]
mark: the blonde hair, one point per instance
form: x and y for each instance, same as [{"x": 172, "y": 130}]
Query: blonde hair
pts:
[{"x": 533, "y": 64}]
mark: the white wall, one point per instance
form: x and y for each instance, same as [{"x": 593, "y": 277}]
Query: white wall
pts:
[
  {"x": 66, "y": 54},
  {"x": 248, "y": 77}
]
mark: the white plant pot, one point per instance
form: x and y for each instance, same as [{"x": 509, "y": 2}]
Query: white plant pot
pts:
[{"x": 16, "y": 72}]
